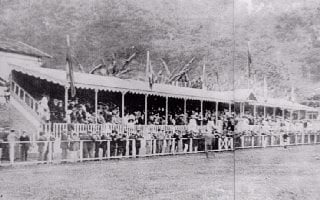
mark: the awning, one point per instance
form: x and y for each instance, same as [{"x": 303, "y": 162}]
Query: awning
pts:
[{"x": 114, "y": 84}]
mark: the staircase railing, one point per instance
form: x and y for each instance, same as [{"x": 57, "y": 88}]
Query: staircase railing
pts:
[{"x": 25, "y": 99}]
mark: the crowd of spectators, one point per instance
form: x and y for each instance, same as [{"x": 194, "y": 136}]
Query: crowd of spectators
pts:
[{"x": 84, "y": 113}]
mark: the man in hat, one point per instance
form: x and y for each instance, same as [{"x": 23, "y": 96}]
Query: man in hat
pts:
[{"x": 25, "y": 143}]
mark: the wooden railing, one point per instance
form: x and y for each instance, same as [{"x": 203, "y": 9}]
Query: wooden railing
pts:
[
  {"x": 57, "y": 128},
  {"x": 25, "y": 99},
  {"x": 58, "y": 151}
]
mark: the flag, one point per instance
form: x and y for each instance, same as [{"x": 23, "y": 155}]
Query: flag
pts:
[
  {"x": 249, "y": 60},
  {"x": 69, "y": 69}
]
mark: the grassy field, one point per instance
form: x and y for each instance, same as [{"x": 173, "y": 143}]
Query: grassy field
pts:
[{"x": 273, "y": 173}]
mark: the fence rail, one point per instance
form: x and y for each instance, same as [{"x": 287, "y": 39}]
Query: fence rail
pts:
[
  {"x": 58, "y": 128},
  {"x": 12, "y": 153}
]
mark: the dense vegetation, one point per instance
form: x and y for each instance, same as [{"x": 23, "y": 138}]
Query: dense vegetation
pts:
[{"x": 283, "y": 37}]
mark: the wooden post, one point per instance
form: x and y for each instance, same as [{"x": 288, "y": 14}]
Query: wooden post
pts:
[
  {"x": 154, "y": 146},
  {"x": 167, "y": 107},
  {"x": 50, "y": 153},
  {"x": 252, "y": 142},
  {"x": 108, "y": 149},
  {"x": 173, "y": 142},
  {"x": 146, "y": 109},
  {"x": 274, "y": 112},
  {"x": 81, "y": 151},
  {"x": 283, "y": 113},
  {"x": 185, "y": 110},
  {"x": 201, "y": 112},
  {"x": 122, "y": 106},
  {"x": 127, "y": 147},
  {"x": 11, "y": 152},
  {"x": 164, "y": 146},
  {"x": 242, "y": 141},
  {"x": 190, "y": 146},
  {"x": 264, "y": 111},
  {"x": 134, "y": 153},
  {"x": 66, "y": 88},
  {"x": 142, "y": 147},
  {"x": 96, "y": 104},
  {"x": 243, "y": 108},
  {"x": 254, "y": 111},
  {"x": 217, "y": 106}
]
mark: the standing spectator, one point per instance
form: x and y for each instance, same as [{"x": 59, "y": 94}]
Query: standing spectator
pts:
[
  {"x": 113, "y": 143},
  {"x": 41, "y": 146},
  {"x": 11, "y": 138},
  {"x": 25, "y": 139},
  {"x": 74, "y": 146},
  {"x": 88, "y": 144},
  {"x": 51, "y": 139},
  {"x": 121, "y": 142},
  {"x": 64, "y": 145},
  {"x": 97, "y": 143},
  {"x": 85, "y": 137},
  {"x": 104, "y": 144}
]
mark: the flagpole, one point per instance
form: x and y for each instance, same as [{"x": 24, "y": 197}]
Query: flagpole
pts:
[
  {"x": 68, "y": 46},
  {"x": 66, "y": 86},
  {"x": 204, "y": 74},
  {"x": 265, "y": 95},
  {"x": 147, "y": 67},
  {"x": 249, "y": 64}
]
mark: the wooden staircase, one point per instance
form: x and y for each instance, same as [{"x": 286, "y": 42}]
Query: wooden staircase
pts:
[{"x": 21, "y": 112}]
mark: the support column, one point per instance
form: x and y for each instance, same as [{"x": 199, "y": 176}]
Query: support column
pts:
[
  {"x": 217, "y": 106},
  {"x": 146, "y": 109},
  {"x": 122, "y": 106},
  {"x": 244, "y": 108},
  {"x": 283, "y": 113},
  {"x": 291, "y": 115},
  {"x": 185, "y": 110},
  {"x": 201, "y": 112},
  {"x": 299, "y": 114},
  {"x": 254, "y": 110},
  {"x": 167, "y": 107},
  {"x": 66, "y": 88},
  {"x": 230, "y": 107},
  {"x": 264, "y": 111},
  {"x": 274, "y": 112},
  {"x": 96, "y": 104}
]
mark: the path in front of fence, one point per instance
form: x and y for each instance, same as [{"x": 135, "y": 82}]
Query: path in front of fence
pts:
[
  {"x": 15, "y": 153},
  {"x": 261, "y": 173}
]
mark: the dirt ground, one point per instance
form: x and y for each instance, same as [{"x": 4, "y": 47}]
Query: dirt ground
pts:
[{"x": 272, "y": 173}]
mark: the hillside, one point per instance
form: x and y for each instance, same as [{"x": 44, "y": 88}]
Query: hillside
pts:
[{"x": 283, "y": 37}]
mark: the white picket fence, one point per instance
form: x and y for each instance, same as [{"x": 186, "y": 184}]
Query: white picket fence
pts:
[{"x": 58, "y": 151}]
